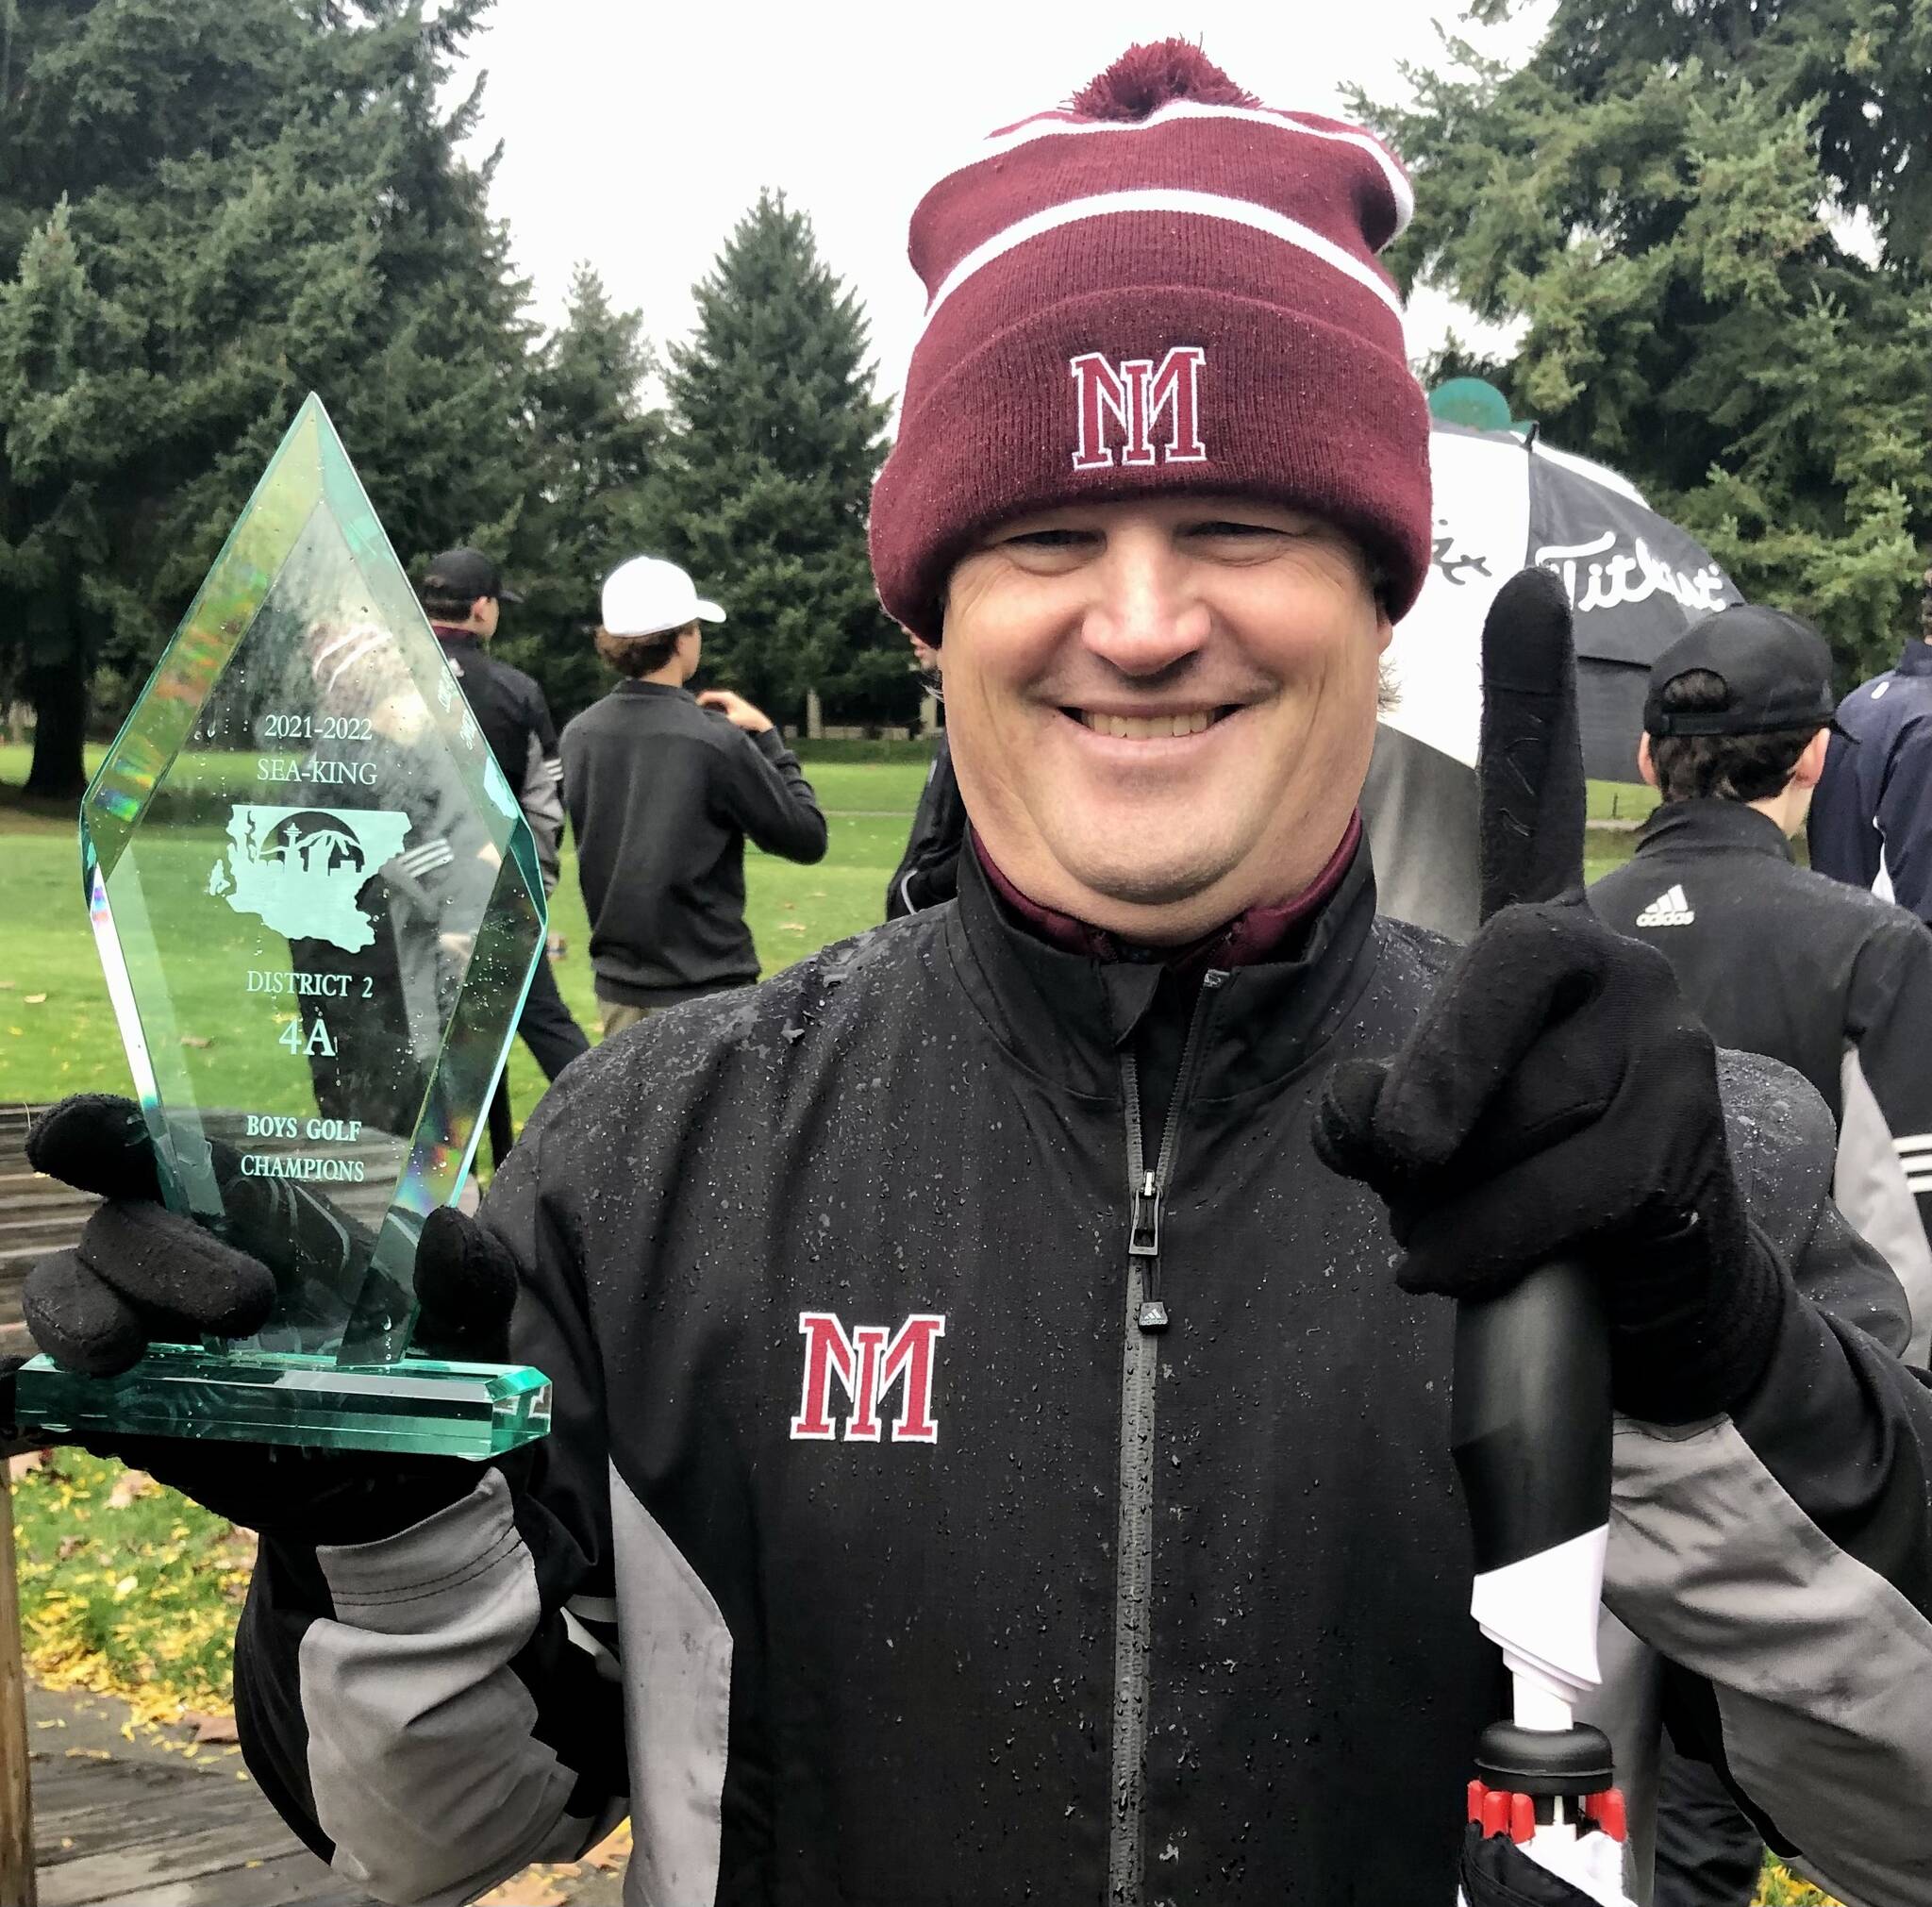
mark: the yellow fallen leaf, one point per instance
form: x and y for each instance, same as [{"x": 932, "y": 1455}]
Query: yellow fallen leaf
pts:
[
  {"x": 188, "y": 1040},
  {"x": 129, "y": 1486},
  {"x": 34, "y": 999}
]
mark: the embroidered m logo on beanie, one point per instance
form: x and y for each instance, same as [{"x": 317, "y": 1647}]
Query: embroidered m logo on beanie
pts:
[{"x": 1135, "y": 397}]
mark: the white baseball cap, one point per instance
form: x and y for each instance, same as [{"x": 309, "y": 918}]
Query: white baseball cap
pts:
[{"x": 646, "y": 595}]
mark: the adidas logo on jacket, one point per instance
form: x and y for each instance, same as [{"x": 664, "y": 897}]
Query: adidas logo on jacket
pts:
[{"x": 1670, "y": 909}]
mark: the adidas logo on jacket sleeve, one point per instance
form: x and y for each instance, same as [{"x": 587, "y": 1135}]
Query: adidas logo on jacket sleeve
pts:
[{"x": 1670, "y": 909}]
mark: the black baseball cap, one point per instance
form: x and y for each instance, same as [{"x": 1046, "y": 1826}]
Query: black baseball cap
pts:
[
  {"x": 460, "y": 575},
  {"x": 1777, "y": 670}
]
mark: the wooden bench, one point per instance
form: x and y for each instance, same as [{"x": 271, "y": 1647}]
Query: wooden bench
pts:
[
  {"x": 38, "y": 1216},
  {"x": 131, "y": 1834}
]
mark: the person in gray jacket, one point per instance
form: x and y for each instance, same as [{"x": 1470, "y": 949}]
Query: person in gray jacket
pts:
[
  {"x": 663, "y": 789},
  {"x": 1777, "y": 959}
]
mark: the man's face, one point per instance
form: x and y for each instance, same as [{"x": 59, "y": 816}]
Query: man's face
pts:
[
  {"x": 1161, "y": 712},
  {"x": 485, "y": 612}
]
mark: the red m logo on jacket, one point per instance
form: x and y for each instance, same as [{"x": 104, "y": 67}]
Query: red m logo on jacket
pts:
[{"x": 867, "y": 1364}]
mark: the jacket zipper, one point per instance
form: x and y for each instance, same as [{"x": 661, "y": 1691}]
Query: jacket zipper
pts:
[{"x": 1146, "y": 1318}]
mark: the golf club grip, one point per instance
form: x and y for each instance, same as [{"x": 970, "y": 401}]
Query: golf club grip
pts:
[{"x": 1530, "y": 1416}]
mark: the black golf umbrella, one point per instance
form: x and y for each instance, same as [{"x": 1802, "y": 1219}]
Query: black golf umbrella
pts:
[
  {"x": 1634, "y": 582},
  {"x": 1530, "y": 1407}
]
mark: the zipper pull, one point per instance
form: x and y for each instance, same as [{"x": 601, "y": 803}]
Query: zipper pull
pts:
[
  {"x": 1144, "y": 1237},
  {"x": 1144, "y": 1242}
]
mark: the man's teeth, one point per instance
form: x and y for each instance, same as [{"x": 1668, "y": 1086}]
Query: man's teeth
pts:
[{"x": 1148, "y": 728}]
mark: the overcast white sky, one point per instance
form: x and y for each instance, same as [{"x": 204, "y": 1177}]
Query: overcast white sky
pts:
[{"x": 635, "y": 131}]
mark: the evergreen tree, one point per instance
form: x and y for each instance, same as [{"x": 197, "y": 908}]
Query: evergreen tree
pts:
[
  {"x": 260, "y": 199},
  {"x": 769, "y": 477},
  {"x": 594, "y": 441},
  {"x": 1672, "y": 192}
]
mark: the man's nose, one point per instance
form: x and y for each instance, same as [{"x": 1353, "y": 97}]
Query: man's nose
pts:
[{"x": 1145, "y": 615}]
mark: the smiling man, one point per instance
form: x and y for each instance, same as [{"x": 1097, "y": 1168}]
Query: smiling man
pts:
[
  {"x": 1158, "y": 707},
  {"x": 995, "y": 1460}
]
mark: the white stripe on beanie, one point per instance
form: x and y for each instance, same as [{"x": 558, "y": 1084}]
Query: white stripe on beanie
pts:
[
  {"x": 1246, "y": 212},
  {"x": 1048, "y": 126}
]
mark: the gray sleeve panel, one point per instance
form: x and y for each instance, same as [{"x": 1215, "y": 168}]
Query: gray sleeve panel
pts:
[
  {"x": 1818, "y": 1664},
  {"x": 420, "y": 1758},
  {"x": 540, "y": 798},
  {"x": 677, "y": 1653},
  {"x": 1869, "y": 1186},
  {"x": 1783, "y": 1146},
  {"x": 1628, "y": 1707},
  {"x": 1419, "y": 807}
]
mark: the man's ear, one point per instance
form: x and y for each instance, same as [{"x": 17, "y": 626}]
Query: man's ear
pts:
[
  {"x": 1810, "y": 768},
  {"x": 479, "y": 609},
  {"x": 1645, "y": 766}
]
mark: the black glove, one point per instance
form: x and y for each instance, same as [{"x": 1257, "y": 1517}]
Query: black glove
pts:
[
  {"x": 142, "y": 1274},
  {"x": 1559, "y": 1099}
]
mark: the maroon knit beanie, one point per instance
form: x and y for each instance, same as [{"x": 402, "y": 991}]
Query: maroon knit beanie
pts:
[{"x": 1164, "y": 286}]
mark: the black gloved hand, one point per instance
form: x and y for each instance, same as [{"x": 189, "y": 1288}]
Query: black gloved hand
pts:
[
  {"x": 142, "y": 1274},
  {"x": 1559, "y": 1099}
]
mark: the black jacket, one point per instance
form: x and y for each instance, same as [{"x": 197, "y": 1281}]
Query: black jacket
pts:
[
  {"x": 1827, "y": 978},
  {"x": 661, "y": 795},
  {"x": 515, "y": 720},
  {"x": 929, "y": 871},
  {"x": 877, "y": 1556},
  {"x": 1872, "y": 816}
]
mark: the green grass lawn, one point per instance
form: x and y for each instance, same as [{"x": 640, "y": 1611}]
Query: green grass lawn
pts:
[
  {"x": 58, "y": 1036},
  {"x": 1620, "y": 800}
]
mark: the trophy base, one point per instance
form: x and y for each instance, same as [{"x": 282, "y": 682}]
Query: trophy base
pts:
[{"x": 421, "y": 1405}]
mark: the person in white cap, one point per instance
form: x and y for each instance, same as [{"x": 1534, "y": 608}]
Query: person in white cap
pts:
[{"x": 663, "y": 788}]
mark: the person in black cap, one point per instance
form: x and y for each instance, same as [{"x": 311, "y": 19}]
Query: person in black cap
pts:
[
  {"x": 1777, "y": 959},
  {"x": 462, "y": 593},
  {"x": 1872, "y": 823}
]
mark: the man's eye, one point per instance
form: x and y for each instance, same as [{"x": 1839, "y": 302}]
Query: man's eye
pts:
[
  {"x": 1050, "y": 539},
  {"x": 1224, "y": 529}
]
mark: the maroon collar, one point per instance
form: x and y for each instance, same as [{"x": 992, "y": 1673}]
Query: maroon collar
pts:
[{"x": 1261, "y": 933}]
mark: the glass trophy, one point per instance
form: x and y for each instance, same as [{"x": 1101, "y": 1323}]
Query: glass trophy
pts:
[{"x": 318, "y": 907}]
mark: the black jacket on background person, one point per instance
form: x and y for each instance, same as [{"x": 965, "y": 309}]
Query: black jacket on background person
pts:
[
  {"x": 515, "y": 720},
  {"x": 876, "y": 1558},
  {"x": 928, "y": 871},
  {"x": 1871, "y": 817},
  {"x": 662, "y": 795},
  {"x": 1827, "y": 978}
]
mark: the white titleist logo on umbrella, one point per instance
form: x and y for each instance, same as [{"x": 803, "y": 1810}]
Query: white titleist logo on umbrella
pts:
[{"x": 1635, "y": 577}]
